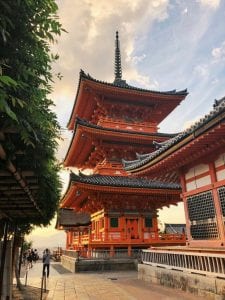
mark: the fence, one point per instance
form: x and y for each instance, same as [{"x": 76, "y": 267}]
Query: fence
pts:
[{"x": 201, "y": 263}]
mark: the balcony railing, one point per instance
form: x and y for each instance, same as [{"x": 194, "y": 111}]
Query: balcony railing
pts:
[{"x": 120, "y": 237}]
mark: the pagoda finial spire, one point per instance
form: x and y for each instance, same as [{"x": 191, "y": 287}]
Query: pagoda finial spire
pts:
[{"x": 118, "y": 69}]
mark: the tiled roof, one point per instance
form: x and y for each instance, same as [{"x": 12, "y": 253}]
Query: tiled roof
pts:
[
  {"x": 83, "y": 122},
  {"x": 175, "y": 228},
  {"x": 122, "y": 84},
  {"x": 219, "y": 108},
  {"x": 121, "y": 181},
  {"x": 68, "y": 217}
]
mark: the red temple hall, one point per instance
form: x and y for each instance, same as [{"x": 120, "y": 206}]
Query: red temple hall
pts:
[
  {"x": 112, "y": 122},
  {"x": 196, "y": 158}
]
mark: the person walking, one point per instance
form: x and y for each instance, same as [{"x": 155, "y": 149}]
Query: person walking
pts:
[{"x": 46, "y": 262}]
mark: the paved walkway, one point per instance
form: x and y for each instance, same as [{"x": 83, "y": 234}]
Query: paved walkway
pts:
[{"x": 63, "y": 285}]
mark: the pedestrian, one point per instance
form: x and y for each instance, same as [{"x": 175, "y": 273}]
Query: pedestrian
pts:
[
  {"x": 46, "y": 261},
  {"x": 29, "y": 259}
]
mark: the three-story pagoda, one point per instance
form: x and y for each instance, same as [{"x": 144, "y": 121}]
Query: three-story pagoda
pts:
[{"x": 111, "y": 122}]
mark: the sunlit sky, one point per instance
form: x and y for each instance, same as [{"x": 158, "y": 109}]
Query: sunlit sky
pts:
[{"x": 165, "y": 44}]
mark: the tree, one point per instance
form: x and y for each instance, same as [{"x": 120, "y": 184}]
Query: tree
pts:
[{"x": 27, "y": 29}]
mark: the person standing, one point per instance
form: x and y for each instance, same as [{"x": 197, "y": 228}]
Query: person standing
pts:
[{"x": 46, "y": 261}]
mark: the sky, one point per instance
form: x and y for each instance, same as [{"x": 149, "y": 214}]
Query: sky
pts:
[{"x": 165, "y": 45}]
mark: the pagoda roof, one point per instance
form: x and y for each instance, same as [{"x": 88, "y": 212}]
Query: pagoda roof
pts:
[
  {"x": 122, "y": 181},
  {"x": 123, "y": 85},
  {"x": 171, "y": 228},
  {"x": 82, "y": 188},
  {"x": 167, "y": 148},
  {"x": 106, "y": 133},
  {"x": 70, "y": 218},
  {"x": 91, "y": 125},
  {"x": 120, "y": 87}
]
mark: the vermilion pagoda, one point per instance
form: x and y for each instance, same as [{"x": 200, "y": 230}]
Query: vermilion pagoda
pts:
[{"x": 112, "y": 121}]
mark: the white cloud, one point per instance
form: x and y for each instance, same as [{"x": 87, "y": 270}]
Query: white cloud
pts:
[
  {"x": 185, "y": 11},
  {"x": 189, "y": 123},
  {"x": 219, "y": 53},
  {"x": 202, "y": 70},
  {"x": 89, "y": 43},
  {"x": 210, "y": 3},
  {"x": 137, "y": 59}
]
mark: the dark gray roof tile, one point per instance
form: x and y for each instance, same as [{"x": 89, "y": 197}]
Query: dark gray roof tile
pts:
[
  {"x": 122, "y": 84},
  {"x": 122, "y": 181}
]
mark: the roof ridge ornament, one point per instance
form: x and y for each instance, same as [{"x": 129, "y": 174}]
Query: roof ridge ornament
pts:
[{"x": 117, "y": 64}]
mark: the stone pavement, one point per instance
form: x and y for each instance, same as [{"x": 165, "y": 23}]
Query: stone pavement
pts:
[{"x": 63, "y": 285}]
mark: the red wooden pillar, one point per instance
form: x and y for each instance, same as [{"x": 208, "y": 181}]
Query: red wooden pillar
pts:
[
  {"x": 67, "y": 240},
  {"x": 89, "y": 251},
  {"x": 122, "y": 228},
  {"x": 141, "y": 228},
  {"x": 188, "y": 225},
  {"x": 106, "y": 228}
]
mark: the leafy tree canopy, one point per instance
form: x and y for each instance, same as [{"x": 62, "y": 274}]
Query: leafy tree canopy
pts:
[{"x": 27, "y": 30}]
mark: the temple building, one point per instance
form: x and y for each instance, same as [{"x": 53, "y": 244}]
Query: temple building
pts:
[
  {"x": 194, "y": 158},
  {"x": 112, "y": 122}
]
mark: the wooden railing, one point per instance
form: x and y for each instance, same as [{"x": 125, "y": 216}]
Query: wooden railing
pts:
[{"x": 115, "y": 237}]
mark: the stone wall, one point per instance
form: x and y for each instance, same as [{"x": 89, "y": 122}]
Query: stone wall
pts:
[
  {"x": 75, "y": 265},
  {"x": 209, "y": 287},
  {"x": 68, "y": 263}
]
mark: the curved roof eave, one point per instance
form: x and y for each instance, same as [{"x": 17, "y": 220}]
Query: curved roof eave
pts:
[
  {"x": 84, "y": 76},
  {"x": 122, "y": 181},
  {"x": 219, "y": 109}
]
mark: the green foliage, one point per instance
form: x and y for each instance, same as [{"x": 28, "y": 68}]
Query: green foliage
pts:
[
  {"x": 27, "y": 245},
  {"x": 27, "y": 29}
]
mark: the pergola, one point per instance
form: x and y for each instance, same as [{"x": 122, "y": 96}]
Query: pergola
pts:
[{"x": 18, "y": 193}]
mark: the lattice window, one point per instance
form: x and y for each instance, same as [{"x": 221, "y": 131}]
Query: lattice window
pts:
[
  {"x": 201, "y": 206},
  {"x": 114, "y": 222},
  {"x": 204, "y": 231},
  {"x": 148, "y": 222},
  {"x": 221, "y": 192}
]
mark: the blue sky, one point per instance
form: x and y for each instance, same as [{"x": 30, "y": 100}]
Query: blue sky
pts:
[{"x": 164, "y": 45}]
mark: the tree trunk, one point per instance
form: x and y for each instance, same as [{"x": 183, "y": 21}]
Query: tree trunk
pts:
[{"x": 16, "y": 268}]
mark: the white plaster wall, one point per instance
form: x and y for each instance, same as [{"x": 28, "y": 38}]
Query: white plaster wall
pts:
[
  {"x": 220, "y": 175},
  {"x": 190, "y": 186},
  {"x": 190, "y": 173},
  {"x": 200, "y": 169},
  {"x": 220, "y": 161},
  {"x": 196, "y": 171},
  {"x": 203, "y": 181}
]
